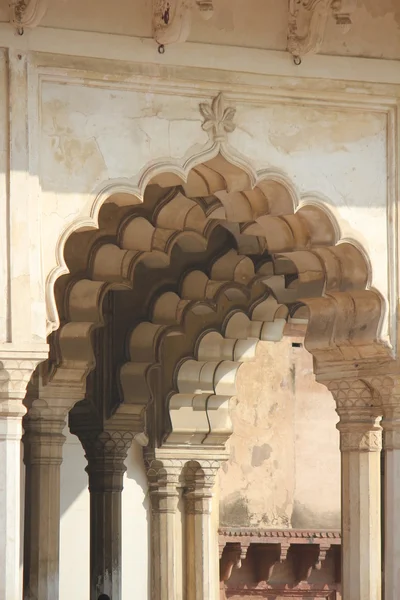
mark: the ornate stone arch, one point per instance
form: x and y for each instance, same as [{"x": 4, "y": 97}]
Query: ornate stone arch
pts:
[{"x": 223, "y": 241}]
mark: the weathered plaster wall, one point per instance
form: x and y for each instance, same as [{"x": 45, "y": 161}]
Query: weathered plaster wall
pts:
[{"x": 284, "y": 464}]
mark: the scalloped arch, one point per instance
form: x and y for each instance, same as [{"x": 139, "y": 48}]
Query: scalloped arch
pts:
[{"x": 135, "y": 187}]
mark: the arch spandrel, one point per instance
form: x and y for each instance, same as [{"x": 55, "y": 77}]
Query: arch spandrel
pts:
[{"x": 231, "y": 266}]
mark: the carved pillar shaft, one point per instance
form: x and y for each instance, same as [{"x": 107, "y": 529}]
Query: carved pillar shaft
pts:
[
  {"x": 43, "y": 444},
  {"x": 360, "y": 444},
  {"x": 16, "y": 368},
  {"x": 361, "y": 515},
  {"x": 391, "y": 427},
  {"x": 202, "y": 575},
  {"x": 10, "y": 517},
  {"x": 164, "y": 495},
  {"x": 200, "y": 549},
  {"x": 105, "y": 453}
]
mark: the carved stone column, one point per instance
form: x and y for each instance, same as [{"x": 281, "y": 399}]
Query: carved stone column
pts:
[
  {"x": 16, "y": 368},
  {"x": 389, "y": 388},
  {"x": 201, "y": 542},
  {"x": 360, "y": 444},
  {"x": 106, "y": 452},
  {"x": 163, "y": 477},
  {"x": 43, "y": 446}
]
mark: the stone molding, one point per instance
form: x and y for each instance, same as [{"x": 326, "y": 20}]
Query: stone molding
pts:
[
  {"x": 308, "y": 38},
  {"x": 308, "y": 535}
]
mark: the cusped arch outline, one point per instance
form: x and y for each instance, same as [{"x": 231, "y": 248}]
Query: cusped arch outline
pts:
[{"x": 179, "y": 168}]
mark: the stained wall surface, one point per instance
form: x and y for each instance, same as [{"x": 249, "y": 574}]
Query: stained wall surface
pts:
[{"x": 284, "y": 463}]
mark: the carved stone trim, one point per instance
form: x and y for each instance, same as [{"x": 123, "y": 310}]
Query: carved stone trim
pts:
[
  {"x": 27, "y": 13},
  {"x": 307, "y": 22},
  {"x": 258, "y": 535}
]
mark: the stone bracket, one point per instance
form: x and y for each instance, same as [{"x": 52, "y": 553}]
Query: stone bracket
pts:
[
  {"x": 27, "y": 13},
  {"x": 267, "y": 557},
  {"x": 231, "y": 556},
  {"x": 307, "y": 558},
  {"x": 307, "y": 23},
  {"x": 172, "y": 19},
  {"x": 266, "y": 549}
]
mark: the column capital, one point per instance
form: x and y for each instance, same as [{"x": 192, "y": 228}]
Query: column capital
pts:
[
  {"x": 105, "y": 451},
  {"x": 354, "y": 396},
  {"x": 358, "y": 405},
  {"x": 164, "y": 482},
  {"x": 16, "y": 368}
]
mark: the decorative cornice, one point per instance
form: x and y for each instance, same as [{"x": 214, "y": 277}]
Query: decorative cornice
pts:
[
  {"x": 172, "y": 19},
  {"x": 267, "y": 534},
  {"x": 307, "y": 23},
  {"x": 27, "y": 13},
  {"x": 218, "y": 118}
]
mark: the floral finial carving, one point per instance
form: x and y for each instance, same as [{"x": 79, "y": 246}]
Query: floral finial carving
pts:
[{"x": 218, "y": 118}]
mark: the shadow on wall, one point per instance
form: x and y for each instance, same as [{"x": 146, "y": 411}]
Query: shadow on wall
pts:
[
  {"x": 75, "y": 525},
  {"x": 304, "y": 518},
  {"x": 74, "y": 480},
  {"x": 136, "y": 528}
]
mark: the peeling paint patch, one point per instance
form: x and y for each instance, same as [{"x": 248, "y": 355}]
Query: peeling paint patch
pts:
[{"x": 260, "y": 454}]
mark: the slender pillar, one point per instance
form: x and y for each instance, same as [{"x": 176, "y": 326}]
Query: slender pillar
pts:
[
  {"x": 43, "y": 445},
  {"x": 201, "y": 543},
  {"x": 105, "y": 452},
  {"x": 16, "y": 368},
  {"x": 391, "y": 442},
  {"x": 163, "y": 479},
  {"x": 360, "y": 444},
  {"x": 10, "y": 515}
]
